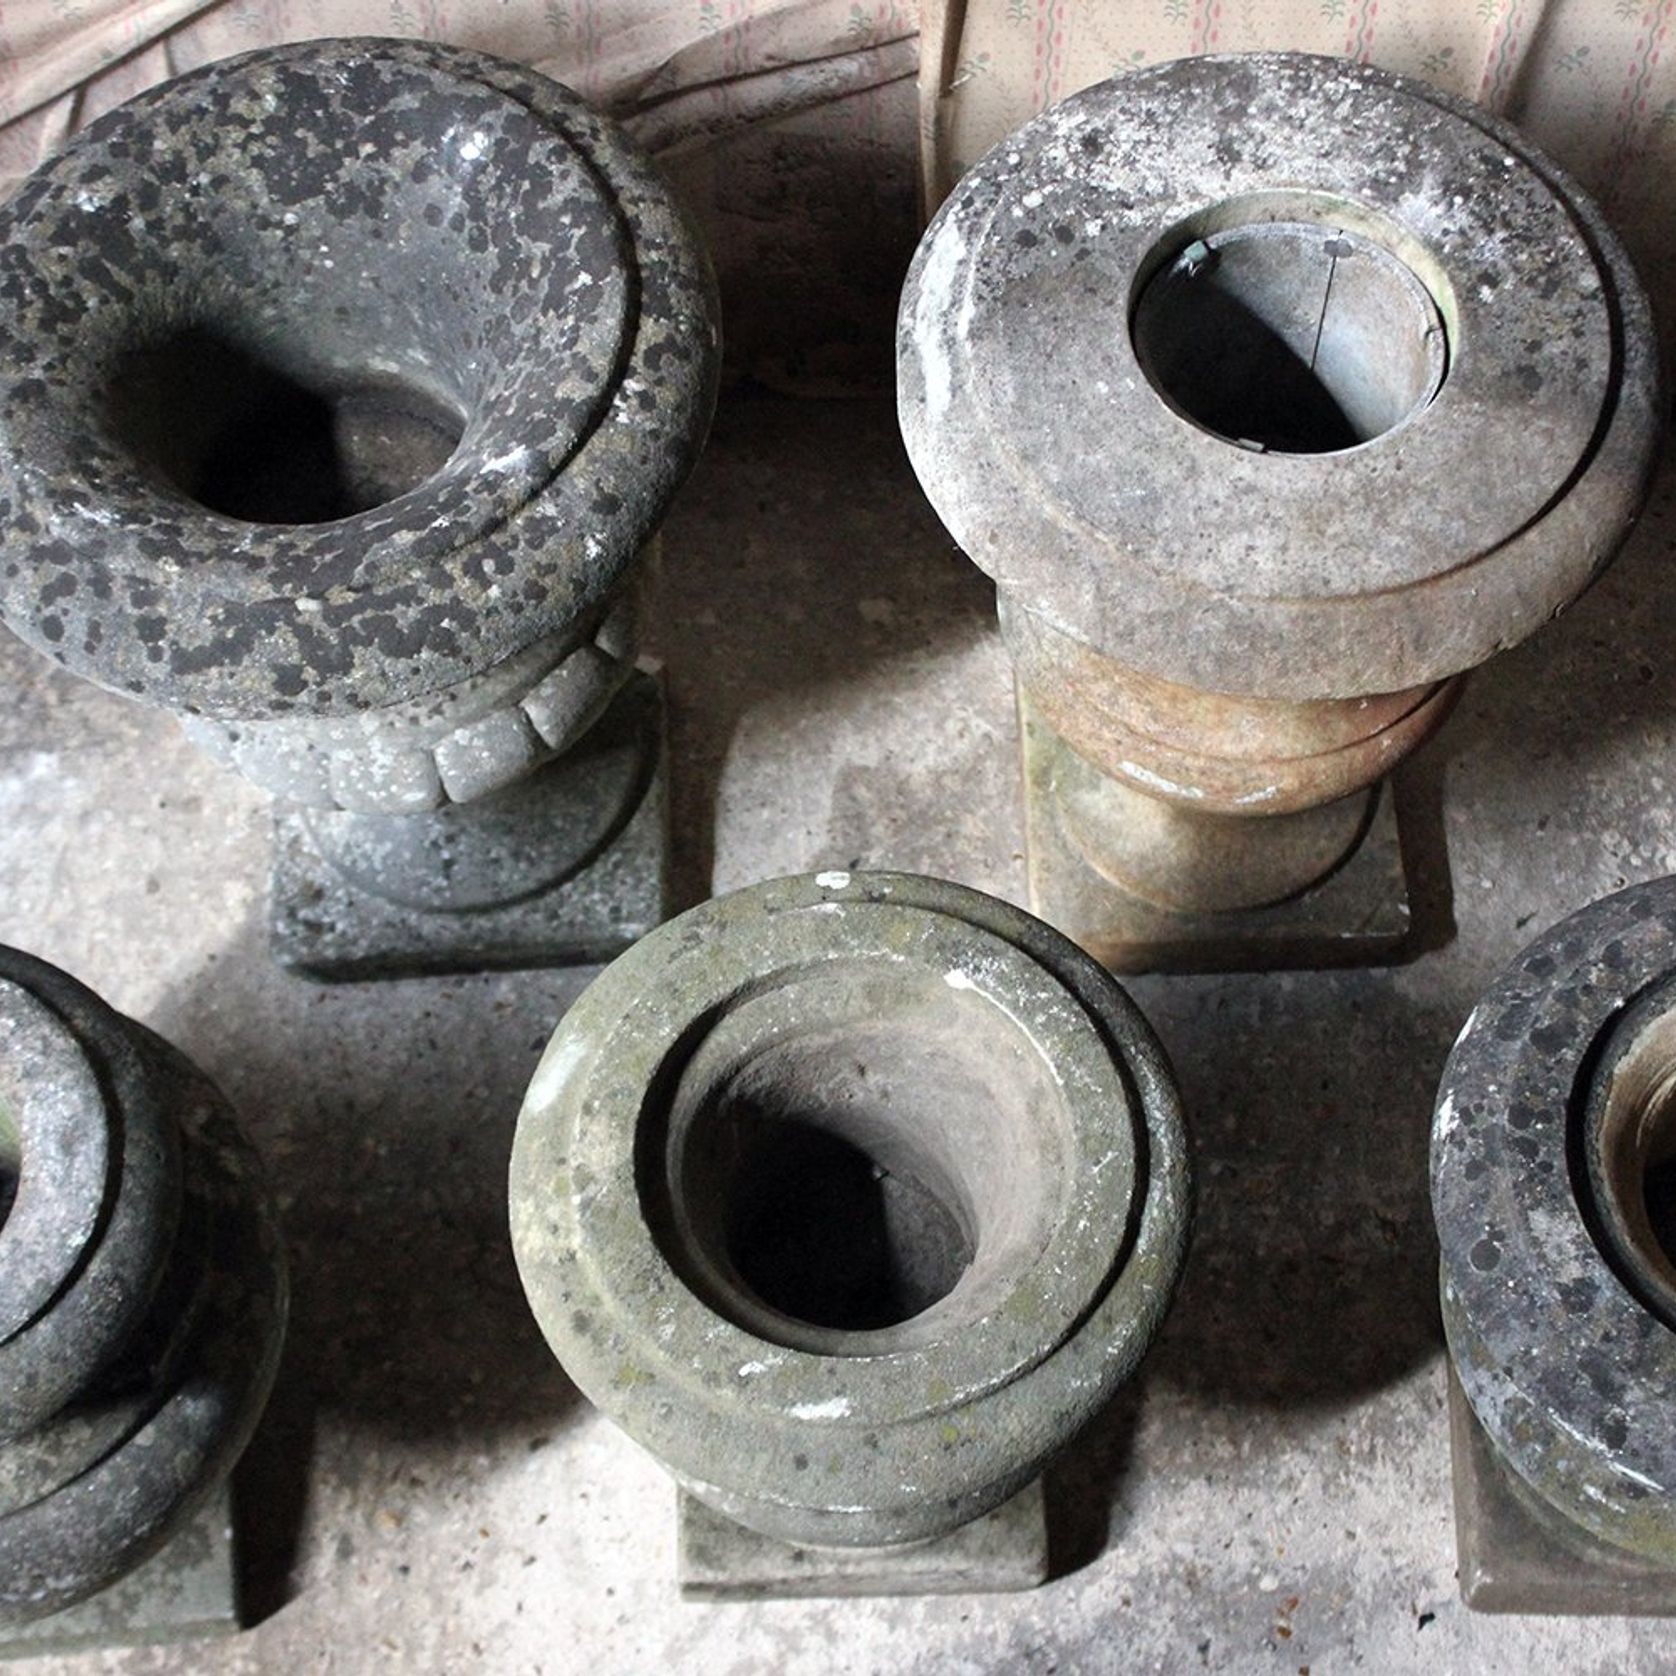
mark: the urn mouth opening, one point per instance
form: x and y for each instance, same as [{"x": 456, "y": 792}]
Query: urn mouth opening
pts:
[
  {"x": 300, "y": 293},
  {"x": 1629, "y": 1150},
  {"x": 857, "y": 1161},
  {"x": 1291, "y": 327},
  {"x": 254, "y": 435}
]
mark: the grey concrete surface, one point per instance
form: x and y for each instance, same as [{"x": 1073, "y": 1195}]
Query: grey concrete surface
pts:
[{"x": 429, "y": 1493}]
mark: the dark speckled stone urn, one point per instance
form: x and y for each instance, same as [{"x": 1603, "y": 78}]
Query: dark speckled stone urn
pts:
[
  {"x": 142, "y": 1301},
  {"x": 343, "y": 387},
  {"x": 852, "y": 1198},
  {"x": 1554, "y": 1188}
]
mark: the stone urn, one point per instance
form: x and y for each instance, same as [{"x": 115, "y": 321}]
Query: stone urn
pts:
[
  {"x": 1275, "y": 393},
  {"x": 853, "y": 1198},
  {"x": 1554, "y": 1189},
  {"x": 343, "y": 387},
  {"x": 142, "y": 1303}
]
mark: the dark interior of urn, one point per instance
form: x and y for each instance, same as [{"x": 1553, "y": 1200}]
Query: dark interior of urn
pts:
[
  {"x": 1290, "y": 338},
  {"x": 1659, "y": 1191},
  {"x": 825, "y": 1230},
  {"x": 1626, "y": 1175},
  {"x": 240, "y": 434},
  {"x": 855, "y": 1152}
]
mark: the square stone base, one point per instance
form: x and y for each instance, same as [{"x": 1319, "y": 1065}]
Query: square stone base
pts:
[
  {"x": 1513, "y": 1559},
  {"x": 1002, "y": 1552},
  {"x": 324, "y": 926},
  {"x": 187, "y": 1592},
  {"x": 1358, "y": 915}
]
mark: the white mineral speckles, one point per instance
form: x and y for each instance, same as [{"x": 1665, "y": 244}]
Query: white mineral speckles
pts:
[
  {"x": 1576, "y": 1436},
  {"x": 554, "y": 1072},
  {"x": 832, "y": 1408},
  {"x": 833, "y": 881},
  {"x": 1467, "y": 1028},
  {"x": 1641, "y": 1478},
  {"x": 1444, "y": 1122},
  {"x": 941, "y": 281},
  {"x": 1157, "y": 782}
]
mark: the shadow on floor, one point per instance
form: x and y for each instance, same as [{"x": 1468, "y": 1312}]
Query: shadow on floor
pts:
[
  {"x": 1312, "y": 1274},
  {"x": 1565, "y": 723},
  {"x": 801, "y": 555},
  {"x": 1311, "y": 1278},
  {"x": 385, "y": 1115},
  {"x": 385, "y": 1112}
]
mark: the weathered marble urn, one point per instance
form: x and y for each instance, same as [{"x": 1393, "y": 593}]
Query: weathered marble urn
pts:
[
  {"x": 852, "y": 1198},
  {"x": 342, "y": 389},
  {"x": 142, "y": 1296},
  {"x": 1274, "y": 392}
]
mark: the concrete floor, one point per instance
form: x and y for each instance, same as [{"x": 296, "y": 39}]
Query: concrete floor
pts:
[{"x": 430, "y": 1494}]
